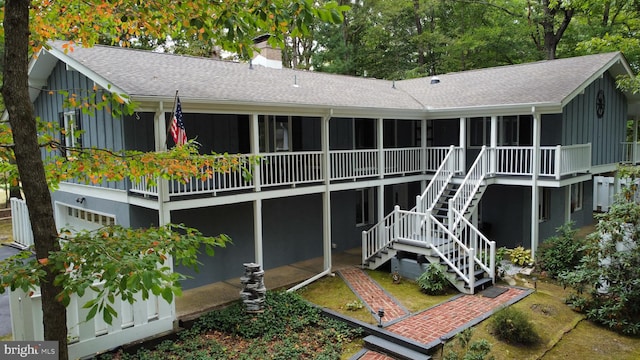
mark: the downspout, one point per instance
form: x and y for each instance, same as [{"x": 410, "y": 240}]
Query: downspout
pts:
[
  {"x": 257, "y": 204},
  {"x": 326, "y": 208}
]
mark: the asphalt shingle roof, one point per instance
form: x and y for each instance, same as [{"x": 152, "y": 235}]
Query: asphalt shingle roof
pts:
[
  {"x": 543, "y": 82},
  {"x": 150, "y": 74},
  {"x": 144, "y": 73}
]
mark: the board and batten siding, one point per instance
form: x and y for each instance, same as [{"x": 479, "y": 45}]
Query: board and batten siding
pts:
[
  {"x": 581, "y": 124},
  {"x": 101, "y": 130}
]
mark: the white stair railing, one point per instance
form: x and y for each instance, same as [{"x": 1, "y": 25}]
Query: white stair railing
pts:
[
  {"x": 471, "y": 237},
  {"x": 439, "y": 182},
  {"x": 468, "y": 189}
]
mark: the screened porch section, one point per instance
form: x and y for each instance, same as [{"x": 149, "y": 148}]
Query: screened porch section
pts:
[{"x": 291, "y": 169}]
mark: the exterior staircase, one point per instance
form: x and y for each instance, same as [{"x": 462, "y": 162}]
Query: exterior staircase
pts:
[{"x": 439, "y": 227}]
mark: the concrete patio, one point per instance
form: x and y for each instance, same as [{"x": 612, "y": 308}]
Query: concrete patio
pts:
[{"x": 194, "y": 302}]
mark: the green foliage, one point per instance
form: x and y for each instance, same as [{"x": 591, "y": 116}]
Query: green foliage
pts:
[
  {"x": 464, "y": 349},
  {"x": 606, "y": 282},
  {"x": 561, "y": 252},
  {"x": 433, "y": 281},
  {"x": 520, "y": 256},
  {"x": 289, "y": 328},
  {"x": 124, "y": 262},
  {"x": 513, "y": 326},
  {"x": 354, "y": 305}
]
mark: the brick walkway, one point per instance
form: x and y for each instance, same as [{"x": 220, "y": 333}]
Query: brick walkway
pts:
[
  {"x": 373, "y": 295},
  {"x": 440, "y": 320},
  {"x": 443, "y": 320}
]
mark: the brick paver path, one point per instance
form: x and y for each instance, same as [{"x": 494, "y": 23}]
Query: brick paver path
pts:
[
  {"x": 372, "y": 294},
  {"x": 440, "y": 320},
  {"x": 428, "y": 325}
]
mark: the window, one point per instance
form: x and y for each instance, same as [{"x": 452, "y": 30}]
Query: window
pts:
[
  {"x": 364, "y": 209},
  {"x": 544, "y": 204},
  {"x": 577, "y": 191},
  {"x": 274, "y": 133},
  {"x": 70, "y": 131}
]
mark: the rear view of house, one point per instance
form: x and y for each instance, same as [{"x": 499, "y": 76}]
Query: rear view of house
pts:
[{"x": 447, "y": 169}]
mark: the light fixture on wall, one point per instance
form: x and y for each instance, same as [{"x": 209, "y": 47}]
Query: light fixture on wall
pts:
[{"x": 80, "y": 200}]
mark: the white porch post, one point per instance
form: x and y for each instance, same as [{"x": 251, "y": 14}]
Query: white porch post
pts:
[
  {"x": 493, "y": 144},
  {"x": 567, "y": 205},
  {"x": 634, "y": 148},
  {"x": 423, "y": 153},
  {"x": 381, "y": 169},
  {"x": 160, "y": 138},
  {"x": 164, "y": 214},
  {"x": 254, "y": 138},
  {"x": 534, "y": 183},
  {"x": 326, "y": 195},
  {"x": 380, "y": 145},
  {"x": 462, "y": 161}
]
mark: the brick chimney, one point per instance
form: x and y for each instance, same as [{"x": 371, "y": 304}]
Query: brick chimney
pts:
[{"x": 267, "y": 55}]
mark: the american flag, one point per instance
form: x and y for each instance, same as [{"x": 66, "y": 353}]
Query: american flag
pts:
[{"x": 177, "y": 126}]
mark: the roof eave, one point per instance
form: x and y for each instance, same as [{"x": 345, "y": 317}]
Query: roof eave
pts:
[
  {"x": 495, "y": 110},
  {"x": 151, "y": 103},
  {"x": 44, "y": 63}
]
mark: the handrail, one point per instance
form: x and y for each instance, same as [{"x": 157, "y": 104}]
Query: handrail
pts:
[
  {"x": 464, "y": 266},
  {"x": 468, "y": 189},
  {"x": 438, "y": 183},
  {"x": 485, "y": 249},
  {"x": 378, "y": 237}
]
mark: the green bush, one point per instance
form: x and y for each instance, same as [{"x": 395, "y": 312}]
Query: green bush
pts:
[
  {"x": 562, "y": 252},
  {"x": 433, "y": 281},
  {"x": 513, "y": 326},
  {"x": 464, "y": 349},
  {"x": 520, "y": 256}
]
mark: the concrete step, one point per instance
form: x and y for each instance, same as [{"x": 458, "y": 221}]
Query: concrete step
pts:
[
  {"x": 480, "y": 285},
  {"x": 392, "y": 349}
]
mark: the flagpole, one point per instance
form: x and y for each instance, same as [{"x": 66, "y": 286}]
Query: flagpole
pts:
[{"x": 173, "y": 111}]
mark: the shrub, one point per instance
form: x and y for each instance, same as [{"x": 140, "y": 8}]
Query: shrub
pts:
[
  {"x": 520, "y": 256},
  {"x": 433, "y": 281},
  {"x": 467, "y": 350},
  {"x": 354, "y": 305},
  {"x": 562, "y": 252},
  {"x": 513, "y": 326}
]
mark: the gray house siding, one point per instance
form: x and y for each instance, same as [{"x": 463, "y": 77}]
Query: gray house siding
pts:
[
  {"x": 584, "y": 216},
  {"x": 234, "y": 220},
  {"x": 581, "y": 124},
  {"x": 557, "y": 213},
  {"x": 99, "y": 127},
  {"x": 344, "y": 233},
  {"x": 504, "y": 221}
]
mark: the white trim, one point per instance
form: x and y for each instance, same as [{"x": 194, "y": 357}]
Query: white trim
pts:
[{"x": 115, "y": 195}]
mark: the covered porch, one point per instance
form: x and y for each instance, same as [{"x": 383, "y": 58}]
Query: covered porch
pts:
[{"x": 196, "y": 301}]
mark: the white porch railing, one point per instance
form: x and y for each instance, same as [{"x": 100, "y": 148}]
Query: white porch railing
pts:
[
  {"x": 554, "y": 161},
  {"x": 353, "y": 164},
  {"x": 631, "y": 152},
  {"x": 134, "y": 322},
  {"x": 291, "y": 168},
  {"x": 22, "y": 234}
]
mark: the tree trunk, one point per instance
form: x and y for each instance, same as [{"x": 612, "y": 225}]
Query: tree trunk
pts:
[
  {"x": 21, "y": 117},
  {"x": 416, "y": 16}
]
